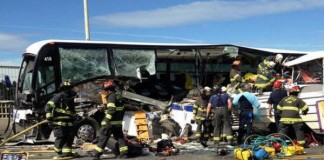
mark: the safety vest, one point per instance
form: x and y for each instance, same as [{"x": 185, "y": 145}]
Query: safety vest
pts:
[
  {"x": 60, "y": 109},
  {"x": 114, "y": 112},
  {"x": 289, "y": 108}
]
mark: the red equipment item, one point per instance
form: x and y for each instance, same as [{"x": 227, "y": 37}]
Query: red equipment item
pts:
[
  {"x": 277, "y": 146},
  {"x": 108, "y": 84}
]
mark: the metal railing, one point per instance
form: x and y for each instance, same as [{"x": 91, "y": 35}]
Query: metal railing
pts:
[
  {"x": 5, "y": 115},
  {"x": 8, "y": 79}
]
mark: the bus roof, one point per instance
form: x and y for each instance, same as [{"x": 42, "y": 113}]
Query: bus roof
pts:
[
  {"x": 35, "y": 47},
  {"x": 306, "y": 58}
]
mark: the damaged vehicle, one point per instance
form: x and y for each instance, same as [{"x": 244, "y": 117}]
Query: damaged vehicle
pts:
[{"x": 152, "y": 77}]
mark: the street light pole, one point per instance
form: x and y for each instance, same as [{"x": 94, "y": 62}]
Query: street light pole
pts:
[{"x": 86, "y": 20}]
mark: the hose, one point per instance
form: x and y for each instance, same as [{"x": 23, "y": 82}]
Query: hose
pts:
[{"x": 22, "y": 132}]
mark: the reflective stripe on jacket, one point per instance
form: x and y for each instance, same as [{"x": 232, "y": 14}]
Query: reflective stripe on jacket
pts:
[
  {"x": 289, "y": 107},
  {"x": 114, "y": 112}
]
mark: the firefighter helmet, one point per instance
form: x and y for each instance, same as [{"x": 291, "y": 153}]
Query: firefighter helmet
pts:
[
  {"x": 108, "y": 85},
  {"x": 224, "y": 89},
  {"x": 65, "y": 85},
  {"x": 277, "y": 84},
  {"x": 294, "y": 89},
  {"x": 207, "y": 89},
  {"x": 278, "y": 58}
]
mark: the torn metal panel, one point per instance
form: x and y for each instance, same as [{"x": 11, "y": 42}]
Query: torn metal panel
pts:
[{"x": 139, "y": 98}]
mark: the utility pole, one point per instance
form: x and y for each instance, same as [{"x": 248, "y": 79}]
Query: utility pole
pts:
[{"x": 86, "y": 20}]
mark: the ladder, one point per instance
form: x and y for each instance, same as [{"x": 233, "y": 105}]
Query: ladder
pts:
[{"x": 141, "y": 126}]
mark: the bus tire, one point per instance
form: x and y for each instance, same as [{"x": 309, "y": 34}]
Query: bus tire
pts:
[{"x": 87, "y": 129}]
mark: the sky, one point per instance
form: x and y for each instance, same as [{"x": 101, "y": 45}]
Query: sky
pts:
[{"x": 280, "y": 24}]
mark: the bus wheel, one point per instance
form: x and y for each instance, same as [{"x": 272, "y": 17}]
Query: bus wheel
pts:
[{"x": 87, "y": 129}]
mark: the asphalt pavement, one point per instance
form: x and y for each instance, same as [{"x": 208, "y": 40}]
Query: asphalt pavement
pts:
[{"x": 189, "y": 151}]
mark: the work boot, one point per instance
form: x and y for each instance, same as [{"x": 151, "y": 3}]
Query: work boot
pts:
[
  {"x": 94, "y": 153},
  {"x": 73, "y": 155},
  {"x": 204, "y": 144},
  {"x": 122, "y": 156}
]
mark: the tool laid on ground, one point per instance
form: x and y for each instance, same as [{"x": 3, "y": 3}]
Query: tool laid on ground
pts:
[
  {"x": 14, "y": 155},
  {"x": 23, "y": 132}
]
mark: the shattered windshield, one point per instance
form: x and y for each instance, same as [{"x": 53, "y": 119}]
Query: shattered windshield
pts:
[
  {"x": 309, "y": 72},
  {"x": 128, "y": 60},
  {"x": 82, "y": 64}
]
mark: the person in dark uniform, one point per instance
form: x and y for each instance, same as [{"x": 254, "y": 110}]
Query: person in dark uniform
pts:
[
  {"x": 275, "y": 97},
  {"x": 245, "y": 102},
  {"x": 200, "y": 116},
  {"x": 60, "y": 113},
  {"x": 112, "y": 123},
  {"x": 221, "y": 103},
  {"x": 289, "y": 108}
]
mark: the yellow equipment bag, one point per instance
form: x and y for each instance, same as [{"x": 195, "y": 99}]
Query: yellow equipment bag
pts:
[
  {"x": 243, "y": 154},
  {"x": 270, "y": 150}
]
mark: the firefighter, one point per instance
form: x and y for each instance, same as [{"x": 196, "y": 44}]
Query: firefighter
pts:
[
  {"x": 221, "y": 103},
  {"x": 245, "y": 102},
  {"x": 275, "y": 97},
  {"x": 236, "y": 77},
  {"x": 112, "y": 123},
  {"x": 200, "y": 115},
  {"x": 60, "y": 113},
  {"x": 289, "y": 108},
  {"x": 265, "y": 71}
]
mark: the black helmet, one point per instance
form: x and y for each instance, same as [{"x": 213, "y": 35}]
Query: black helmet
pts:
[{"x": 65, "y": 85}]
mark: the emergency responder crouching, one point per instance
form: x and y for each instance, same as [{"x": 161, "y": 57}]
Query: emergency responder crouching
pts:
[
  {"x": 245, "y": 102},
  {"x": 112, "y": 123},
  {"x": 289, "y": 108},
  {"x": 200, "y": 116},
  {"x": 265, "y": 76},
  {"x": 221, "y": 104},
  {"x": 60, "y": 113}
]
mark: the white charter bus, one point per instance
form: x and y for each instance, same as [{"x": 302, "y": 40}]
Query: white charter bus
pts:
[{"x": 155, "y": 70}]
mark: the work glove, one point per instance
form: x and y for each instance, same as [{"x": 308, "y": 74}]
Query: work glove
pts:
[
  {"x": 102, "y": 107},
  {"x": 50, "y": 124},
  {"x": 77, "y": 117}
]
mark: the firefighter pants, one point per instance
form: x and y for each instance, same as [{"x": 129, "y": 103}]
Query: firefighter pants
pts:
[
  {"x": 277, "y": 119},
  {"x": 298, "y": 128},
  {"x": 245, "y": 118},
  {"x": 222, "y": 127},
  {"x": 209, "y": 131},
  {"x": 64, "y": 140},
  {"x": 104, "y": 135}
]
